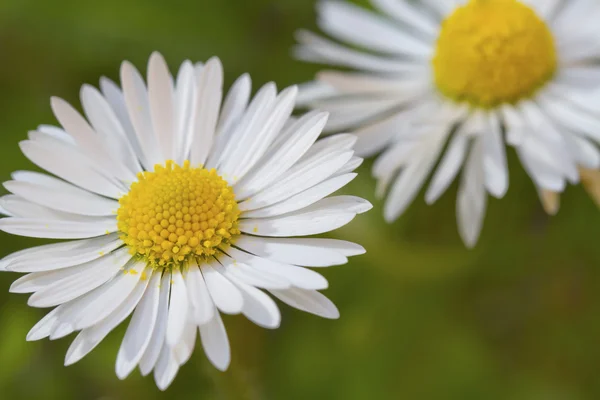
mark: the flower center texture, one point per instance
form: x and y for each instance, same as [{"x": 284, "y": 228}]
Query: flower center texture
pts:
[
  {"x": 176, "y": 213},
  {"x": 491, "y": 52}
]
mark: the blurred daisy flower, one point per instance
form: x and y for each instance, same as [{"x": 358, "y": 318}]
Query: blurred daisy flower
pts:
[
  {"x": 452, "y": 80},
  {"x": 177, "y": 209}
]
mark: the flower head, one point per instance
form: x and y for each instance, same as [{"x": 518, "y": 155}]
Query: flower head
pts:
[
  {"x": 177, "y": 209},
  {"x": 459, "y": 79}
]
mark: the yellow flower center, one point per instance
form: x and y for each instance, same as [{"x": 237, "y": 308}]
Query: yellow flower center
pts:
[
  {"x": 175, "y": 213},
  {"x": 491, "y": 52}
]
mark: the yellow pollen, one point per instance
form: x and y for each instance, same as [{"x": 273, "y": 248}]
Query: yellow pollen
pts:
[
  {"x": 491, "y": 52},
  {"x": 176, "y": 213}
]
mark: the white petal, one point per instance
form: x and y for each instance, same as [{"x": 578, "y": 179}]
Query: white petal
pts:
[
  {"x": 448, "y": 168},
  {"x": 61, "y": 255},
  {"x": 258, "y": 307},
  {"x": 411, "y": 179},
  {"x": 53, "y": 229},
  {"x": 93, "y": 307},
  {"x": 253, "y": 277},
  {"x": 140, "y": 329},
  {"x": 89, "y": 338},
  {"x": 52, "y": 156},
  {"x": 233, "y": 109},
  {"x": 256, "y": 141},
  {"x": 215, "y": 342},
  {"x": 88, "y": 141},
  {"x": 302, "y": 199},
  {"x": 224, "y": 294},
  {"x": 152, "y": 352},
  {"x": 62, "y": 196},
  {"x": 301, "y": 251},
  {"x": 178, "y": 309},
  {"x": 184, "y": 349},
  {"x": 166, "y": 368},
  {"x": 298, "y": 276},
  {"x": 239, "y": 267},
  {"x": 308, "y": 300},
  {"x": 210, "y": 91},
  {"x": 44, "y": 326},
  {"x": 250, "y": 125},
  {"x": 138, "y": 107},
  {"x": 161, "y": 102},
  {"x": 185, "y": 105},
  {"x": 107, "y": 125},
  {"x": 90, "y": 276},
  {"x": 494, "y": 158},
  {"x": 408, "y": 14},
  {"x": 114, "y": 96},
  {"x": 303, "y": 134},
  {"x": 360, "y": 27},
  {"x": 202, "y": 307},
  {"x": 315, "y": 48},
  {"x": 350, "y": 166},
  {"x": 299, "y": 223},
  {"x": 300, "y": 177},
  {"x": 472, "y": 197}
]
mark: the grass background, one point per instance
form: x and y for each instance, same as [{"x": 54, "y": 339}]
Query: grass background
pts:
[{"x": 422, "y": 317}]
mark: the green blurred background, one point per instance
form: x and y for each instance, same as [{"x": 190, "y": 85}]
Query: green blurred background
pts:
[{"x": 422, "y": 317}]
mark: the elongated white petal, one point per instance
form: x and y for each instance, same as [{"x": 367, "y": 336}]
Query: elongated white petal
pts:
[
  {"x": 360, "y": 27},
  {"x": 494, "y": 158},
  {"x": 89, "y": 338},
  {"x": 472, "y": 197},
  {"x": 115, "y": 98},
  {"x": 53, "y": 229},
  {"x": 233, "y": 109},
  {"x": 308, "y": 300},
  {"x": 411, "y": 179},
  {"x": 210, "y": 91},
  {"x": 301, "y": 200},
  {"x": 52, "y": 156},
  {"x": 161, "y": 102},
  {"x": 138, "y": 107},
  {"x": 184, "y": 349},
  {"x": 105, "y": 121},
  {"x": 166, "y": 368},
  {"x": 44, "y": 326},
  {"x": 299, "y": 178},
  {"x": 140, "y": 329},
  {"x": 304, "y": 133},
  {"x": 448, "y": 168},
  {"x": 61, "y": 255},
  {"x": 301, "y": 251},
  {"x": 250, "y": 125},
  {"x": 87, "y": 140},
  {"x": 224, "y": 294},
  {"x": 202, "y": 307},
  {"x": 258, "y": 307},
  {"x": 60, "y": 195},
  {"x": 178, "y": 309},
  {"x": 255, "y": 146},
  {"x": 103, "y": 301},
  {"x": 150, "y": 357},
  {"x": 185, "y": 105},
  {"x": 239, "y": 265},
  {"x": 215, "y": 342},
  {"x": 91, "y": 275},
  {"x": 298, "y": 276}
]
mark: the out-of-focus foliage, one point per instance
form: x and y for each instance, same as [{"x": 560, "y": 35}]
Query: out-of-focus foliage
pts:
[{"x": 422, "y": 318}]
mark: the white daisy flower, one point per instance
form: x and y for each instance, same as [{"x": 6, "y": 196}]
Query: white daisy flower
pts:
[
  {"x": 179, "y": 209},
  {"x": 450, "y": 78}
]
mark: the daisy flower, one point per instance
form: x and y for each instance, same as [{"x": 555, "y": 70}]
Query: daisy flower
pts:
[
  {"x": 454, "y": 80},
  {"x": 177, "y": 209}
]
